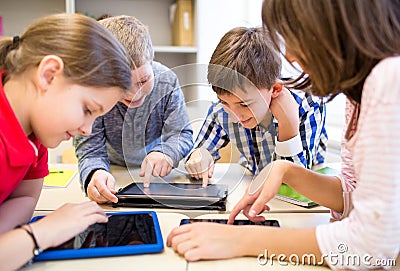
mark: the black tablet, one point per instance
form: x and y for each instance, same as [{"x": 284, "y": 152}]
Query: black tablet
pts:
[
  {"x": 174, "y": 195},
  {"x": 267, "y": 222},
  {"x": 125, "y": 233}
]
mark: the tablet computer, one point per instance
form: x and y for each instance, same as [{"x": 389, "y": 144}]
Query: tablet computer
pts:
[
  {"x": 125, "y": 233},
  {"x": 174, "y": 195},
  {"x": 267, "y": 222}
]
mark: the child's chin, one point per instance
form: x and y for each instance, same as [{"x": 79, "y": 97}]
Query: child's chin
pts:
[
  {"x": 249, "y": 125},
  {"x": 52, "y": 145},
  {"x": 132, "y": 105}
]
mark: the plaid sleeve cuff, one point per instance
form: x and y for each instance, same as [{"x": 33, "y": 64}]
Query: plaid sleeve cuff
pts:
[{"x": 289, "y": 147}]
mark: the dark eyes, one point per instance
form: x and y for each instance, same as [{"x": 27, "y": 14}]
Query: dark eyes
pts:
[
  {"x": 225, "y": 104},
  {"x": 87, "y": 111},
  {"x": 141, "y": 83}
]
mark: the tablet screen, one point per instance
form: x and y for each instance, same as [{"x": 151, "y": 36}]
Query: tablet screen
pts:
[
  {"x": 120, "y": 230},
  {"x": 172, "y": 190},
  {"x": 272, "y": 223},
  {"x": 125, "y": 233}
]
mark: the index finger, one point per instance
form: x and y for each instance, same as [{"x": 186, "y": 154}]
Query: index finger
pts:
[
  {"x": 245, "y": 201},
  {"x": 148, "y": 169},
  {"x": 176, "y": 231},
  {"x": 204, "y": 176}
]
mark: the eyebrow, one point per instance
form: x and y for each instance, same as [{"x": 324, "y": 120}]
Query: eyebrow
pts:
[
  {"x": 145, "y": 77},
  {"x": 239, "y": 102},
  {"x": 101, "y": 108}
]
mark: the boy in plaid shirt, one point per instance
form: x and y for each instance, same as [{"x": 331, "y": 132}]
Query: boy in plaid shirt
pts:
[{"x": 264, "y": 120}]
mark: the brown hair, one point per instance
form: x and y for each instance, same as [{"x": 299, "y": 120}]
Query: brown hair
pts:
[
  {"x": 134, "y": 36},
  {"x": 91, "y": 54},
  {"x": 243, "y": 56},
  {"x": 338, "y": 42}
]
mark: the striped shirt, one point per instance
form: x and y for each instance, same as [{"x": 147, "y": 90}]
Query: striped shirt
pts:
[
  {"x": 258, "y": 146},
  {"x": 370, "y": 173}
]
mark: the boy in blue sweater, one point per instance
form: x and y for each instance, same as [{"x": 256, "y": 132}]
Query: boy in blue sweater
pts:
[{"x": 148, "y": 128}]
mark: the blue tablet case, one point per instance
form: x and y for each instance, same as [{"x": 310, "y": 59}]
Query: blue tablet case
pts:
[{"x": 153, "y": 229}]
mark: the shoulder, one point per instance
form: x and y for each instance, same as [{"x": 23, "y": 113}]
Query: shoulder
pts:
[
  {"x": 390, "y": 64},
  {"x": 216, "y": 109},
  {"x": 217, "y": 114},
  {"x": 383, "y": 83},
  {"x": 387, "y": 70},
  {"x": 306, "y": 100}
]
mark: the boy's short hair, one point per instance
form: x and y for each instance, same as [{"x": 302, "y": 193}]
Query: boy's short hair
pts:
[
  {"x": 133, "y": 35},
  {"x": 244, "y": 56}
]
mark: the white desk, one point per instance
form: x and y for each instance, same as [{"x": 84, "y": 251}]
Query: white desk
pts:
[
  {"x": 234, "y": 176},
  {"x": 167, "y": 260}
]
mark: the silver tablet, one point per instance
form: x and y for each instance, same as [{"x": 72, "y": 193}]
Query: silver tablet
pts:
[{"x": 174, "y": 195}]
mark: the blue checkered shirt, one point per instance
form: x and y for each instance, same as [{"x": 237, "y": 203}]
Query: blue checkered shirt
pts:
[{"x": 257, "y": 145}]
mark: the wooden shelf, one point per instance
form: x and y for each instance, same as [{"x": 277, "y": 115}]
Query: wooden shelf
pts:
[{"x": 175, "y": 49}]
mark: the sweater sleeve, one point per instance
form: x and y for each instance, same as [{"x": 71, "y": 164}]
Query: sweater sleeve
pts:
[
  {"x": 177, "y": 132},
  {"x": 370, "y": 235},
  {"x": 91, "y": 152}
]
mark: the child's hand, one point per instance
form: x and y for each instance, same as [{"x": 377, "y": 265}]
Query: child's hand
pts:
[
  {"x": 253, "y": 205},
  {"x": 66, "y": 222},
  {"x": 200, "y": 165},
  {"x": 101, "y": 187},
  {"x": 286, "y": 111},
  {"x": 203, "y": 240},
  {"x": 156, "y": 164}
]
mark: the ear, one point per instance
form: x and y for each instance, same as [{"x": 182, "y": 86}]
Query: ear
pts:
[
  {"x": 49, "y": 67},
  {"x": 276, "y": 88}
]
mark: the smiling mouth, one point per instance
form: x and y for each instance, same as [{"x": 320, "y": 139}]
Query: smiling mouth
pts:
[
  {"x": 245, "y": 121},
  {"x": 136, "y": 102},
  {"x": 69, "y": 136}
]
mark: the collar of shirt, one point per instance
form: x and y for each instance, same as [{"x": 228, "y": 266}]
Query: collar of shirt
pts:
[{"x": 20, "y": 150}]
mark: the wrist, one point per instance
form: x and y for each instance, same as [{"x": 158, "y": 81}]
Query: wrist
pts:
[
  {"x": 291, "y": 173},
  {"x": 37, "y": 249},
  {"x": 286, "y": 131},
  {"x": 243, "y": 244},
  {"x": 190, "y": 154},
  {"x": 89, "y": 178}
]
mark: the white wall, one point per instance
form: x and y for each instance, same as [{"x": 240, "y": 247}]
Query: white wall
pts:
[
  {"x": 215, "y": 18},
  {"x": 19, "y": 14}
]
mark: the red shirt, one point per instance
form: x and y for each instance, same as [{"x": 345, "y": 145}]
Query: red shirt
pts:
[{"x": 21, "y": 158}]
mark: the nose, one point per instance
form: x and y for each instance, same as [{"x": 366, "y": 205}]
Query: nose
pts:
[
  {"x": 86, "y": 129},
  {"x": 130, "y": 95},
  {"x": 236, "y": 114}
]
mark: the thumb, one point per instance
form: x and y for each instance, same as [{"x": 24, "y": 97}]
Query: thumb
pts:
[{"x": 111, "y": 184}]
